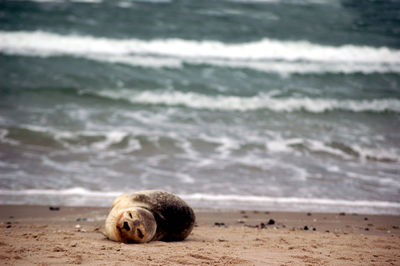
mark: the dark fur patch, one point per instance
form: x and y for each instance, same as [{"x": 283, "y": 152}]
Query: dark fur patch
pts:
[{"x": 175, "y": 219}]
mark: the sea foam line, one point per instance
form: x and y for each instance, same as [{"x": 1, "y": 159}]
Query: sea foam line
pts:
[
  {"x": 292, "y": 200},
  {"x": 41, "y": 43},
  {"x": 261, "y": 101},
  {"x": 62, "y": 1},
  {"x": 78, "y": 191}
]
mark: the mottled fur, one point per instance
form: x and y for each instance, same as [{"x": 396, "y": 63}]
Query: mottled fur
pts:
[{"x": 149, "y": 215}]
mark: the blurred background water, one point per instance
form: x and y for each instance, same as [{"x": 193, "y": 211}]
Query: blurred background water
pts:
[{"x": 256, "y": 104}]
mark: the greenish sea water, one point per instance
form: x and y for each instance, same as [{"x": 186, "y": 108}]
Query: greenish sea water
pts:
[{"x": 274, "y": 104}]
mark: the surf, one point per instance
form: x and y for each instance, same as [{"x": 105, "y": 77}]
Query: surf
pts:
[{"x": 264, "y": 55}]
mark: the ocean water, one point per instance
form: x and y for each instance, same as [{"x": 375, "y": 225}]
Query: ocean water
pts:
[{"x": 232, "y": 104}]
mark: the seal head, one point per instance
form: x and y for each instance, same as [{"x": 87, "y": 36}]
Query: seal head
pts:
[{"x": 135, "y": 225}]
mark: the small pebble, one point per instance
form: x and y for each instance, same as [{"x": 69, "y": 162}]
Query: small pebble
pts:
[
  {"x": 219, "y": 224},
  {"x": 271, "y": 221},
  {"x": 305, "y": 228},
  {"x": 342, "y": 214},
  {"x": 51, "y": 208},
  {"x": 308, "y": 213},
  {"x": 366, "y": 229},
  {"x": 366, "y": 219}
]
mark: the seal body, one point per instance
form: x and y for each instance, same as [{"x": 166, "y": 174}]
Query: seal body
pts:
[{"x": 149, "y": 215}]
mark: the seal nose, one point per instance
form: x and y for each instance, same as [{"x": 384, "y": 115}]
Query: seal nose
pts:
[{"x": 126, "y": 226}]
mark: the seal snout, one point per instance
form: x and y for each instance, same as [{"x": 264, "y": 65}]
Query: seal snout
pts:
[{"x": 126, "y": 226}]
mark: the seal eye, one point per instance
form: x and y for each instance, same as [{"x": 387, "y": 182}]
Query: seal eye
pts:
[
  {"x": 140, "y": 234},
  {"x": 126, "y": 226},
  {"x": 130, "y": 215}
]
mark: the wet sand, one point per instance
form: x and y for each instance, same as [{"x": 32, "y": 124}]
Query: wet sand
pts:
[{"x": 73, "y": 235}]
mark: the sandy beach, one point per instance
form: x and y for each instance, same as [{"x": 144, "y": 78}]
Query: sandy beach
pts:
[{"x": 47, "y": 235}]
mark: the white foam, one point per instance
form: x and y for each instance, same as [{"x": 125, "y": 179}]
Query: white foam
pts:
[
  {"x": 143, "y": 61},
  {"x": 89, "y": 196},
  {"x": 73, "y": 167},
  {"x": 292, "y": 200},
  {"x": 287, "y": 1},
  {"x": 112, "y": 137},
  {"x": 318, "y": 146},
  {"x": 302, "y": 67},
  {"x": 62, "y": 1},
  {"x": 264, "y": 55},
  {"x": 153, "y": 1},
  {"x": 281, "y": 145},
  {"x": 87, "y": 1},
  {"x": 41, "y": 1},
  {"x": 9, "y": 165},
  {"x": 260, "y": 101},
  {"x": 364, "y": 153},
  {"x": 227, "y": 145},
  {"x": 124, "y": 4},
  {"x": 4, "y": 139},
  {"x": 185, "y": 178},
  {"x": 386, "y": 181},
  {"x": 64, "y": 192},
  {"x": 295, "y": 2},
  {"x": 256, "y": 1},
  {"x": 389, "y": 154}
]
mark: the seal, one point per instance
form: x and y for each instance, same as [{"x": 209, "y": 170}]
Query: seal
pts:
[{"x": 149, "y": 215}]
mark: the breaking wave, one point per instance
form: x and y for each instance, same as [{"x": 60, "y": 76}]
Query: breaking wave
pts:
[
  {"x": 265, "y": 55},
  {"x": 295, "y": 200},
  {"x": 77, "y": 196},
  {"x": 260, "y": 101}
]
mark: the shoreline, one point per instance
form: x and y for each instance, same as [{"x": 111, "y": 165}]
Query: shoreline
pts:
[{"x": 72, "y": 235}]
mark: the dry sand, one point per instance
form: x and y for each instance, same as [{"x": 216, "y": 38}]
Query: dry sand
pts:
[{"x": 72, "y": 235}]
